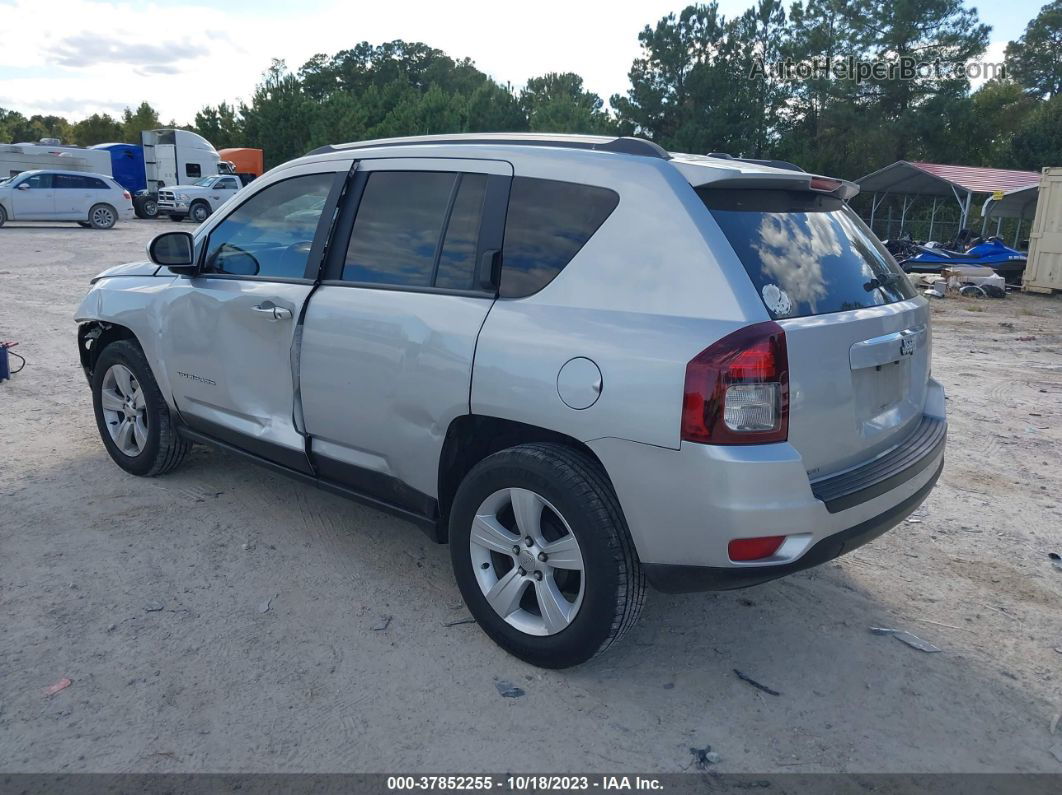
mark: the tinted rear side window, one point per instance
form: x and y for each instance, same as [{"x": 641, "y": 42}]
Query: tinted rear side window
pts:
[
  {"x": 806, "y": 253},
  {"x": 457, "y": 260},
  {"x": 396, "y": 231},
  {"x": 74, "y": 181},
  {"x": 547, "y": 223}
]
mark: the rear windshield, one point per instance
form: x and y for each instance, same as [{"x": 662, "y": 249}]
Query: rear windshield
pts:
[{"x": 806, "y": 253}]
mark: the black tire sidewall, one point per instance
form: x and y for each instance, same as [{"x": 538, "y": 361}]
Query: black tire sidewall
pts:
[
  {"x": 126, "y": 353},
  {"x": 593, "y": 624},
  {"x": 196, "y": 206}
]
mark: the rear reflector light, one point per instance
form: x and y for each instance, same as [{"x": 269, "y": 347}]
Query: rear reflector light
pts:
[
  {"x": 824, "y": 184},
  {"x": 754, "y": 548},
  {"x": 737, "y": 390}
]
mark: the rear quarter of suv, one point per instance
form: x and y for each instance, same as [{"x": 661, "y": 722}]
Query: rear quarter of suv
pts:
[{"x": 586, "y": 363}]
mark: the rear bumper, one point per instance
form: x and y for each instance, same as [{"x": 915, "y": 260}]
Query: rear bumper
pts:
[
  {"x": 671, "y": 578},
  {"x": 685, "y": 506}
]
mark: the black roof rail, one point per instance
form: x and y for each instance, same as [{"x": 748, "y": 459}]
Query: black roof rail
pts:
[
  {"x": 783, "y": 164},
  {"x": 626, "y": 145}
]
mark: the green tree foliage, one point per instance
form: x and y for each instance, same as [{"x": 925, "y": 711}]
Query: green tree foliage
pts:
[
  {"x": 1035, "y": 60},
  {"x": 1038, "y": 142},
  {"x": 278, "y": 118},
  {"x": 16, "y": 128},
  {"x": 97, "y": 129},
  {"x": 702, "y": 83},
  {"x": 136, "y": 121},
  {"x": 221, "y": 125},
  {"x": 821, "y": 112},
  {"x": 558, "y": 102}
]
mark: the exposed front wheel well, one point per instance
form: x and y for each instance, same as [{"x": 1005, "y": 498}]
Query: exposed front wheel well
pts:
[
  {"x": 472, "y": 437},
  {"x": 94, "y": 336}
]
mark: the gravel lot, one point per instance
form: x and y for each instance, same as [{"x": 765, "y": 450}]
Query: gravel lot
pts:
[{"x": 151, "y": 597}]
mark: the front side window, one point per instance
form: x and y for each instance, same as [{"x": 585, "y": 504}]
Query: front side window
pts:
[
  {"x": 192, "y": 170},
  {"x": 37, "y": 181},
  {"x": 547, "y": 223},
  {"x": 226, "y": 184},
  {"x": 270, "y": 235}
]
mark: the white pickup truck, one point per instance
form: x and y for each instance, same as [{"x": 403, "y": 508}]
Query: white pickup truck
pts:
[{"x": 198, "y": 200}]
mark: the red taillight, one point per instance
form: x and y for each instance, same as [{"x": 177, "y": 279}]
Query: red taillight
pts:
[
  {"x": 737, "y": 390},
  {"x": 754, "y": 548},
  {"x": 127, "y": 195},
  {"x": 825, "y": 184}
]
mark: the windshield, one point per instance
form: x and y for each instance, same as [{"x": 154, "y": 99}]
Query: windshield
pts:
[
  {"x": 205, "y": 182},
  {"x": 806, "y": 253}
]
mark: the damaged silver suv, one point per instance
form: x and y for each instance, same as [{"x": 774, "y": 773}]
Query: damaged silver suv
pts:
[{"x": 584, "y": 362}]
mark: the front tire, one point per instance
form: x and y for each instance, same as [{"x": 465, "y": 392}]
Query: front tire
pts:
[
  {"x": 102, "y": 216},
  {"x": 145, "y": 207},
  {"x": 3, "y": 216},
  {"x": 199, "y": 212},
  {"x": 542, "y": 555},
  {"x": 131, "y": 414}
]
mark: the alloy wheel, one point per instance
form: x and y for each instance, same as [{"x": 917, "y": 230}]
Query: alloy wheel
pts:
[
  {"x": 527, "y": 561},
  {"x": 124, "y": 410},
  {"x": 103, "y": 217}
]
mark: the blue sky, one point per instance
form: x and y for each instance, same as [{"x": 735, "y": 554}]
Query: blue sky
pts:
[{"x": 76, "y": 57}]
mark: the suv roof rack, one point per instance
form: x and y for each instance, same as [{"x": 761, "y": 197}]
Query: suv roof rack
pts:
[
  {"x": 623, "y": 145},
  {"x": 783, "y": 164}
]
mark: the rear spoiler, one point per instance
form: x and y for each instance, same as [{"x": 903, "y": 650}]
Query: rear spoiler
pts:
[
  {"x": 702, "y": 177},
  {"x": 785, "y": 165}
]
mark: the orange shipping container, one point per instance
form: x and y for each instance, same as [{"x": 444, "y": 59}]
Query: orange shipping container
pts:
[{"x": 247, "y": 161}]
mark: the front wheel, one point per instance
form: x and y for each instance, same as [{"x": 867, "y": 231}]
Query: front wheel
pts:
[
  {"x": 3, "y": 216},
  {"x": 145, "y": 207},
  {"x": 199, "y": 212},
  {"x": 542, "y": 555},
  {"x": 131, "y": 414}
]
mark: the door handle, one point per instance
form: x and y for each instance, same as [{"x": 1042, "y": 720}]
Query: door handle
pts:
[{"x": 272, "y": 311}]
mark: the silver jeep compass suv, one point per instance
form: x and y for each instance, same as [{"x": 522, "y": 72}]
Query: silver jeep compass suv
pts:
[{"x": 584, "y": 362}]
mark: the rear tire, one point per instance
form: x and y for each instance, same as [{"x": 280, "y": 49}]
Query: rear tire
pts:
[
  {"x": 102, "y": 216},
  {"x": 3, "y": 216},
  {"x": 599, "y": 589},
  {"x": 131, "y": 414}
]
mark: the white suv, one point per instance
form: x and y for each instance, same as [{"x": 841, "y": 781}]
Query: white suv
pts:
[
  {"x": 90, "y": 200},
  {"x": 584, "y": 362}
]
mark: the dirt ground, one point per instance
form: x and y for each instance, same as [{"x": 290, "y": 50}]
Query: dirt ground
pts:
[{"x": 224, "y": 618}]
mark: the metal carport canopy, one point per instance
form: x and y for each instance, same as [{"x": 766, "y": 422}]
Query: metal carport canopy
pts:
[
  {"x": 915, "y": 178},
  {"x": 935, "y": 179},
  {"x": 1018, "y": 203}
]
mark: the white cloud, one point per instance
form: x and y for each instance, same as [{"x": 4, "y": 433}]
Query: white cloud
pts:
[
  {"x": 104, "y": 55},
  {"x": 993, "y": 55}
]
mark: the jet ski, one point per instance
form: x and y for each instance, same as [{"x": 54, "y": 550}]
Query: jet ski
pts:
[{"x": 992, "y": 253}]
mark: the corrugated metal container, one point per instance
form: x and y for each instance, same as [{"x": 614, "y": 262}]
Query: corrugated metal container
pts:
[{"x": 1043, "y": 273}]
